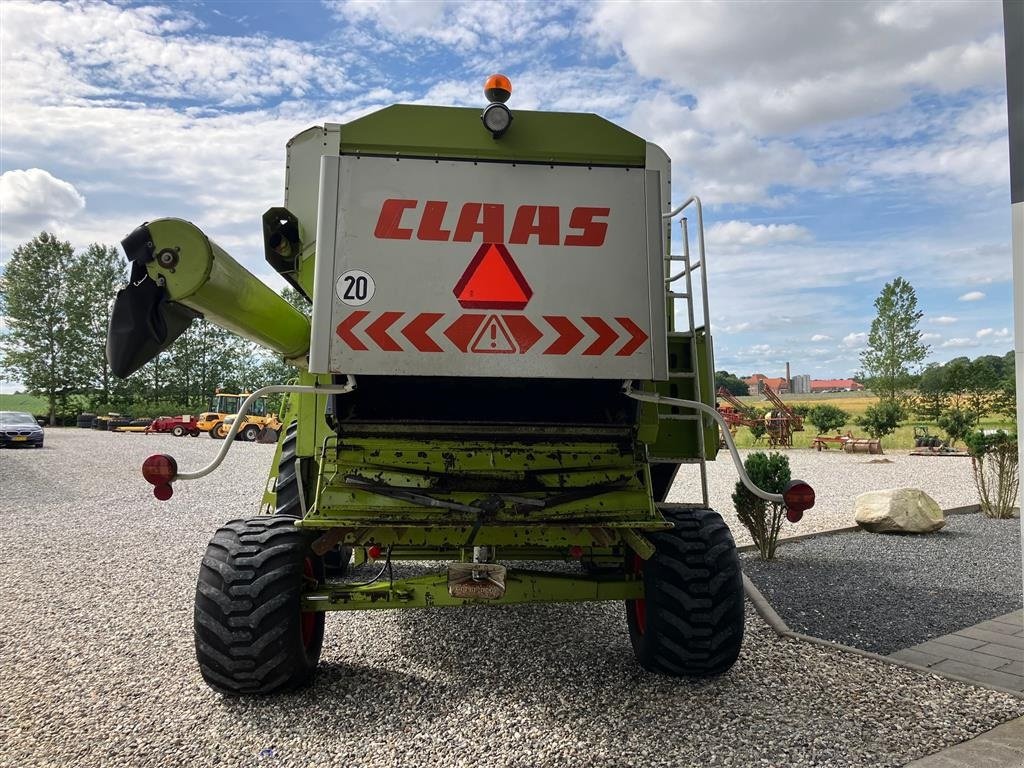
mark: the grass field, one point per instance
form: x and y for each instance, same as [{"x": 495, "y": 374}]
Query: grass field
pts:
[
  {"x": 856, "y": 404},
  {"x": 27, "y": 403}
]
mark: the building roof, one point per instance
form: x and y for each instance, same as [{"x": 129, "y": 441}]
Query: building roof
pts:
[{"x": 835, "y": 384}]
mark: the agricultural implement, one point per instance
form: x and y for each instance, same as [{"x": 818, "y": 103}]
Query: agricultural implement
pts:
[
  {"x": 781, "y": 421},
  {"x": 492, "y": 375},
  {"x": 847, "y": 443},
  {"x": 179, "y": 426}
]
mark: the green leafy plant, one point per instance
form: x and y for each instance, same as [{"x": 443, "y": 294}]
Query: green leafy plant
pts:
[
  {"x": 827, "y": 418},
  {"x": 882, "y": 419},
  {"x": 957, "y": 423},
  {"x": 763, "y": 518},
  {"x": 994, "y": 462}
]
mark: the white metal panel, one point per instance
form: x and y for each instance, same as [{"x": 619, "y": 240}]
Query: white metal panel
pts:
[{"x": 591, "y": 311}]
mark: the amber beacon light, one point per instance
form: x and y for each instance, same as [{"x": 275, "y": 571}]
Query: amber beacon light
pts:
[{"x": 496, "y": 116}]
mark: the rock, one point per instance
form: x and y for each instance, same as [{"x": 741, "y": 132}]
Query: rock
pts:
[{"x": 898, "y": 510}]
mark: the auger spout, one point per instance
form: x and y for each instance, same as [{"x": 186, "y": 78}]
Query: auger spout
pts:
[{"x": 179, "y": 274}]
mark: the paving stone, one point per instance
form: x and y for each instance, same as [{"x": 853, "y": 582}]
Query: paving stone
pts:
[
  {"x": 959, "y": 654},
  {"x": 1002, "y": 747},
  {"x": 1001, "y": 627},
  {"x": 959, "y": 641},
  {"x": 982, "y": 675},
  {"x": 1014, "y": 641},
  {"x": 914, "y": 656},
  {"x": 1013, "y": 667},
  {"x": 1003, "y": 651},
  {"x": 1015, "y": 620}
]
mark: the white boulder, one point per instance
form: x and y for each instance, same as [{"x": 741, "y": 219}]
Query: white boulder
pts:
[{"x": 898, "y": 510}]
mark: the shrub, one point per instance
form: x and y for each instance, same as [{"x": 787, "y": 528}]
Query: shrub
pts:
[
  {"x": 763, "y": 518},
  {"x": 827, "y": 418},
  {"x": 957, "y": 423},
  {"x": 996, "y": 476},
  {"x": 882, "y": 419}
]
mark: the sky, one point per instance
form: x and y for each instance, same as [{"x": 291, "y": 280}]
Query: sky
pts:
[{"x": 835, "y": 145}]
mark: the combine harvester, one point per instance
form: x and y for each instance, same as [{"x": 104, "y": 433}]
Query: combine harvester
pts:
[{"x": 492, "y": 375}]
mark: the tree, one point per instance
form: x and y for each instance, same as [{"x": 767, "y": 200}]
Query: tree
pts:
[
  {"x": 827, "y": 418},
  {"x": 895, "y": 349},
  {"x": 732, "y": 383},
  {"x": 882, "y": 419},
  {"x": 46, "y": 343},
  {"x": 97, "y": 274},
  {"x": 958, "y": 423},
  {"x": 763, "y": 518}
]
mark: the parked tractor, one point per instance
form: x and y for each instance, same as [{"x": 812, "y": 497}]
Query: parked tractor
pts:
[
  {"x": 493, "y": 375},
  {"x": 224, "y": 407}
]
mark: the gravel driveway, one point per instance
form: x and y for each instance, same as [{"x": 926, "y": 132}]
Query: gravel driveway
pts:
[{"x": 97, "y": 667}]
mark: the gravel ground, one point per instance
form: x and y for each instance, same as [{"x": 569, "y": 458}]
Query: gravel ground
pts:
[
  {"x": 96, "y": 659},
  {"x": 837, "y": 478},
  {"x": 883, "y": 592}
]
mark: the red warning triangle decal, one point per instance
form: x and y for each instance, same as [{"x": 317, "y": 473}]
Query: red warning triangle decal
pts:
[
  {"x": 492, "y": 281},
  {"x": 493, "y": 338}
]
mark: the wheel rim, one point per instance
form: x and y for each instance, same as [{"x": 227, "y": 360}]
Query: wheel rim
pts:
[
  {"x": 640, "y": 604},
  {"x": 307, "y": 619}
]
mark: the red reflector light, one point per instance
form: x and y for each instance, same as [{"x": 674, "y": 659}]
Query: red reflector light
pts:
[
  {"x": 373, "y": 552},
  {"x": 159, "y": 469},
  {"x": 492, "y": 281},
  {"x": 799, "y": 497},
  {"x": 163, "y": 491},
  {"x": 576, "y": 552}
]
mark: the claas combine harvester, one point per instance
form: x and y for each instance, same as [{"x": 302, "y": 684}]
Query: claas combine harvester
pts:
[{"x": 495, "y": 374}]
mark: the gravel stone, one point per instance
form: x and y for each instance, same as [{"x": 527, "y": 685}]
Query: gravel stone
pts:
[
  {"x": 883, "y": 592},
  {"x": 96, "y": 587}
]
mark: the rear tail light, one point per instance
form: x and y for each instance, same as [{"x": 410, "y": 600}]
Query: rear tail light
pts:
[
  {"x": 799, "y": 497},
  {"x": 160, "y": 470}
]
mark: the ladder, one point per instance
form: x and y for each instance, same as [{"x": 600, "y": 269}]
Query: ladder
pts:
[{"x": 673, "y": 294}]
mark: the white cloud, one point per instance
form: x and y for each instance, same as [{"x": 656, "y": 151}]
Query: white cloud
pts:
[
  {"x": 959, "y": 343},
  {"x": 743, "y": 233},
  {"x": 854, "y": 340},
  {"x": 984, "y": 332},
  {"x": 931, "y": 336},
  {"x": 820, "y": 337},
  {"x": 972, "y": 296},
  {"x": 737, "y": 328},
  {"x": 1002, "y": 333},
  {"x": 785, "y": 66},
  {"x": 56, "y": 52},
  {"x": 33, "y": 200},
  {"x": 942, "y": 320}
]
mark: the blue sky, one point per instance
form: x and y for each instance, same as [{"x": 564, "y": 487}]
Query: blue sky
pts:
[{"x": 835, "y": 145}]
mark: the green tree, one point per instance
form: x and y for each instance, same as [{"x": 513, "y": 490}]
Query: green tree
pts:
[
  {"x": 96, "y": 275},
  {"x": 731, "y": 382},
  {"x": 882, "y": 419},
  {"x": 44, "y": 347},
  {"x": 827, "y": 418},
  {"x": 957, "y": 423},
  {"x": 895, "y": 349},
  {"x": 763, "y": 518}
]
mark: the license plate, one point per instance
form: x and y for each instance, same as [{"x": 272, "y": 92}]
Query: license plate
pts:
[{"x": 20, "y": 438}]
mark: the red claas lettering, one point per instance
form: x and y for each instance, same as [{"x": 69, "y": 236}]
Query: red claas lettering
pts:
[{"x": 400, "y": 219}]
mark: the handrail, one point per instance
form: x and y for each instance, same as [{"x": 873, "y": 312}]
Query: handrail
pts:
[{"x": 651, "y": 397}]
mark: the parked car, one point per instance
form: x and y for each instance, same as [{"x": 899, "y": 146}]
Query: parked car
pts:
[{"x": 18, "y": 428}]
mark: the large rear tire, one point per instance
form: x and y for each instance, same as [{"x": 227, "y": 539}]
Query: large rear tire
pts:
[
  {"x": 249, "y": 433},
  {"x": 219, "y": 431},
  {"x": 178, "y": 431},
  {"x": 336, "y": 560},
  {"x": 690, "y": 622},
  {"x": 252, "y": 636}
]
